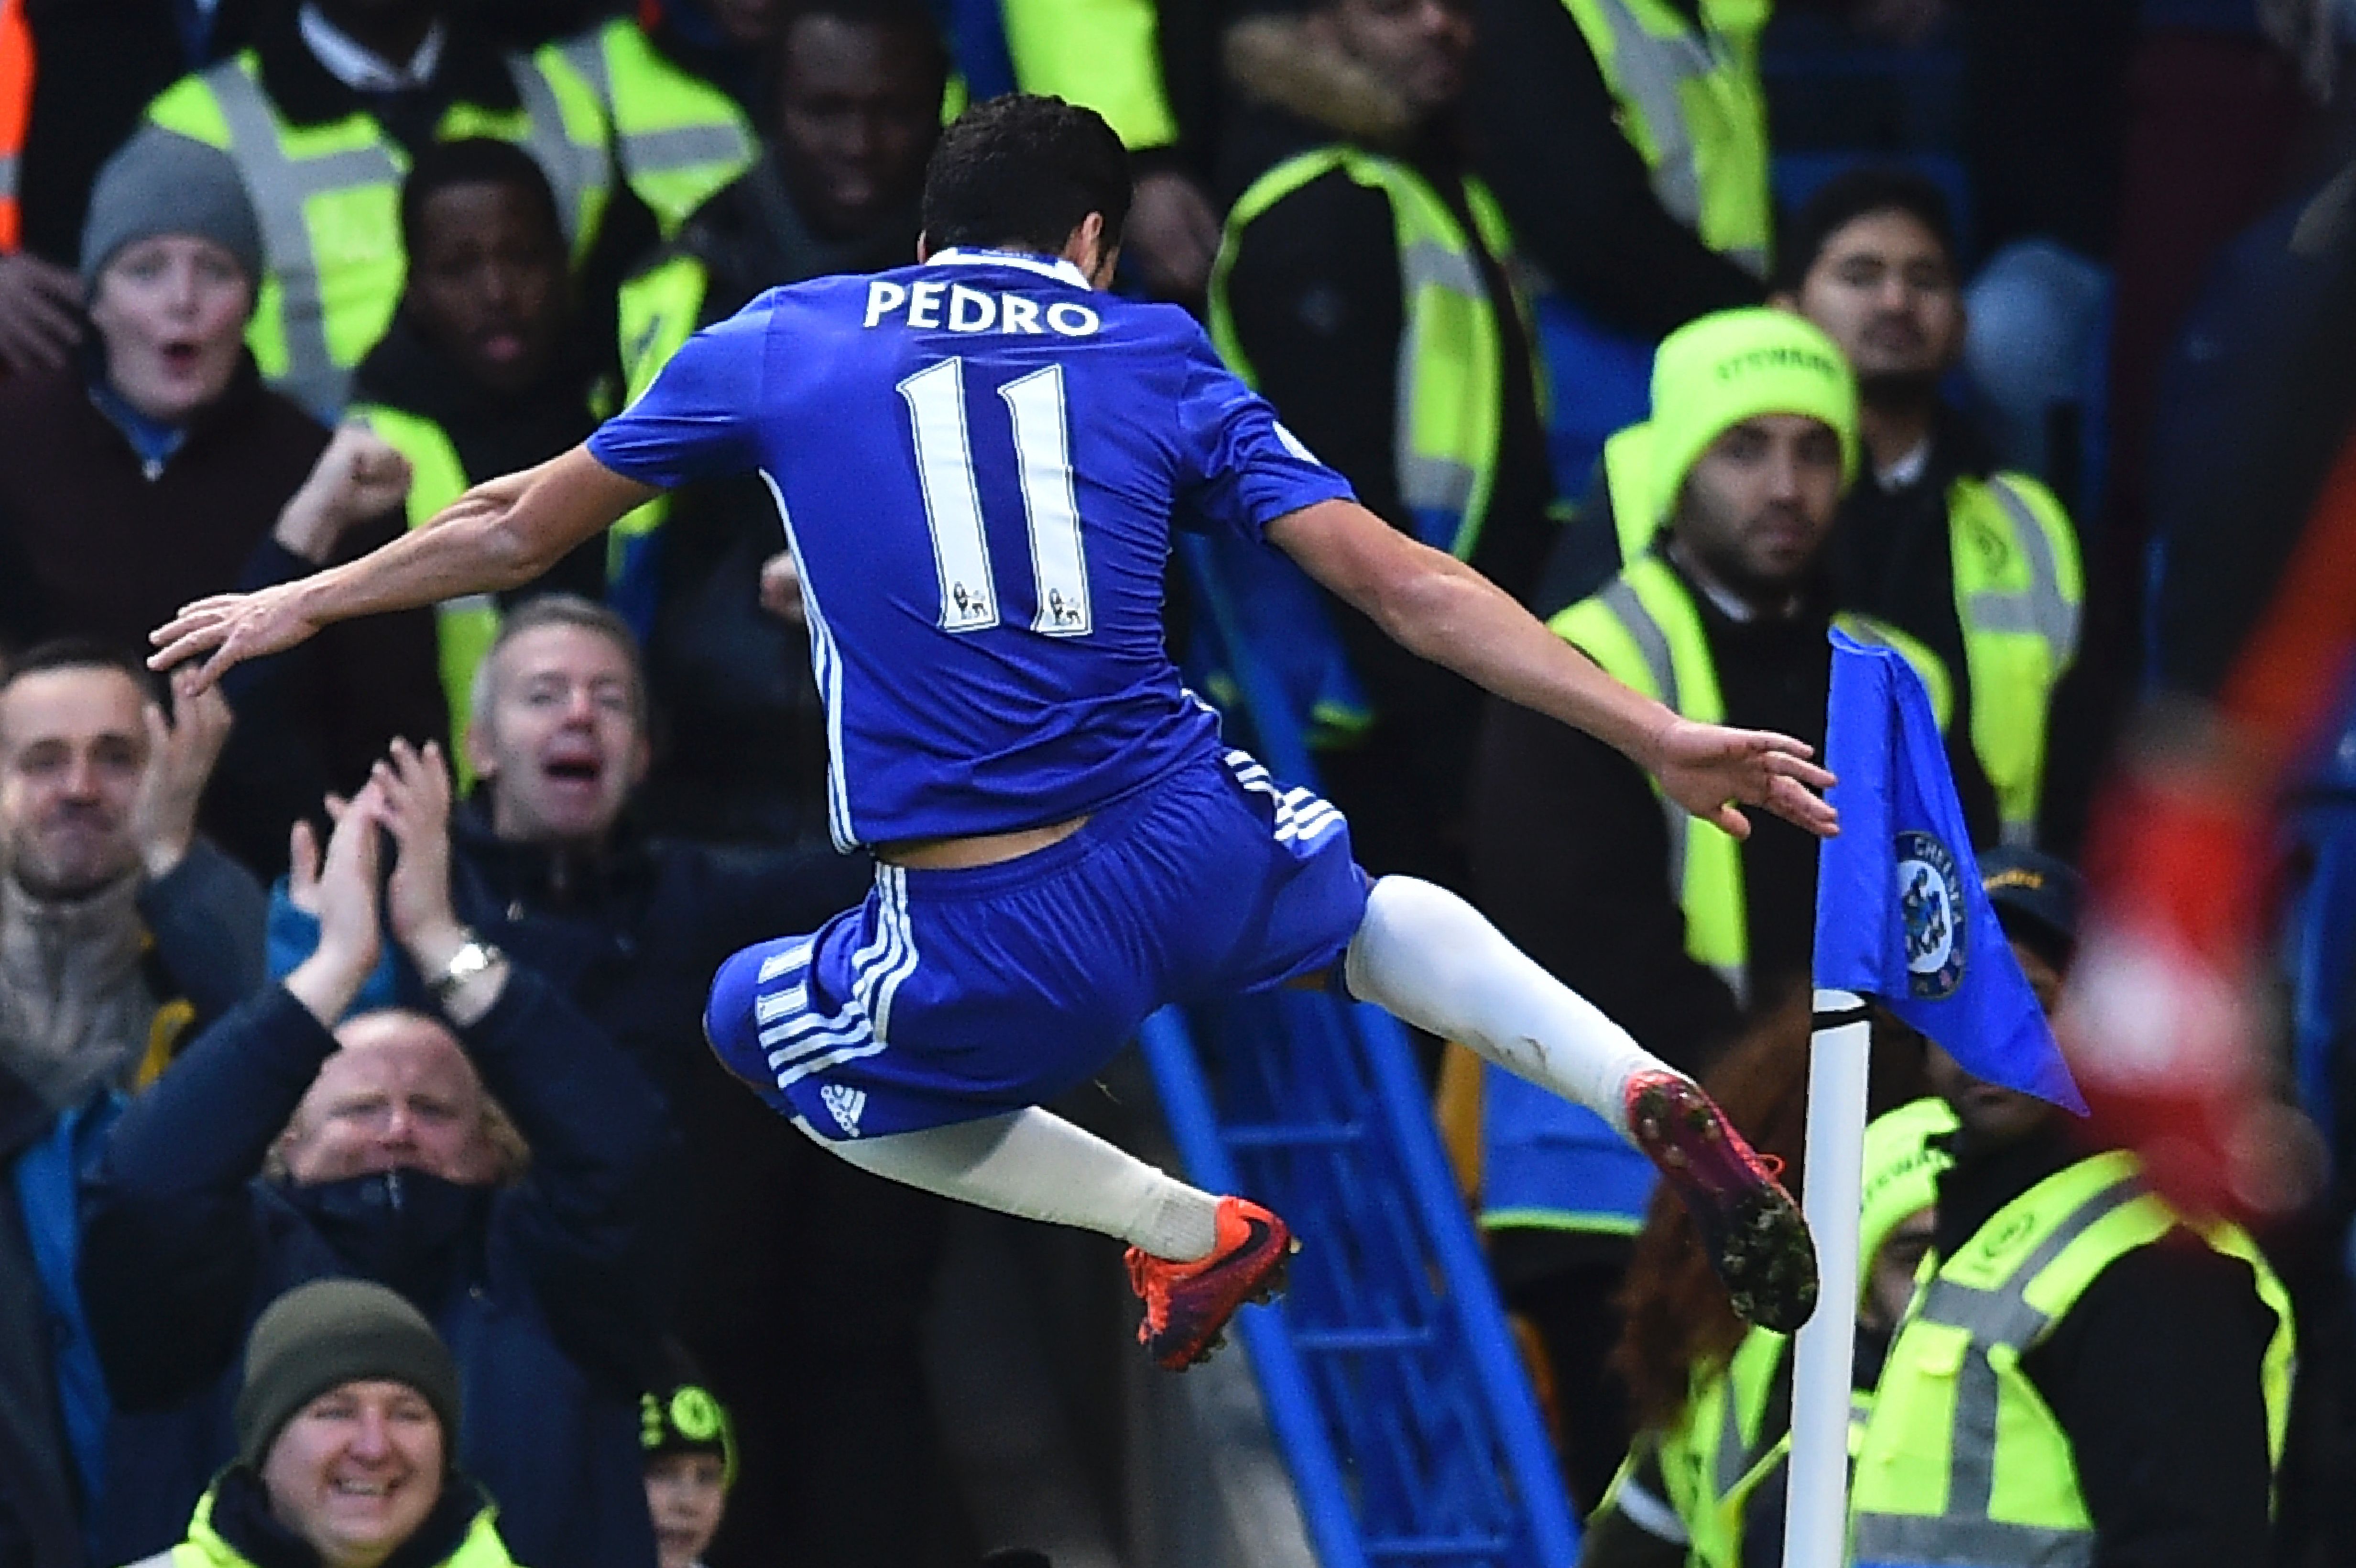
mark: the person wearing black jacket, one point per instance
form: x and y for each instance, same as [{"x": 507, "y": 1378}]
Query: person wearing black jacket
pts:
[
  {"x": 487, "y": 368},
  {"x": 2164, "y": 1376},
  {"x": 1316, "y": 301},
  {"x": 277, "y": 1152},
  {"x": 853, "y": 111},
  {"x": 158, "y": 469}
]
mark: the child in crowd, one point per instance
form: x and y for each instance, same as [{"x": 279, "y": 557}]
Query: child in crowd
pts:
[{"x": 690, "y": 1464}]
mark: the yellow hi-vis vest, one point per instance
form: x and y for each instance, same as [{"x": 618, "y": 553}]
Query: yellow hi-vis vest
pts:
[
  {"x": 1643, "y": 628},
  {"x": 658, "y": 311},
  {"x": 1451, "y": 376},
  {"x": 679, "y": 139},
  {"x": 204, "y": 1547},
  {"x": 2019, "y": 594},
  {"x": 1692, "y": 105},
  {"x": 464, "y": 628},
  {"x": 1104, "y": 55},
  {"x": 1963, "y": 1463},
  {"x": 328, "y": 197}
]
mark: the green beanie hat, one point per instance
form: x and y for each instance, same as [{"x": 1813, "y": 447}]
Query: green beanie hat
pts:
[
  {"x": 1901, "y": 1170},
  {"x": 329, "y": 1332},
  {"x": 1713, "y": 373}
]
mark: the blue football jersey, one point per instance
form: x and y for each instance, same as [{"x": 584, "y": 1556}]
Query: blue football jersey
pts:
[{"x": 977, "y": 462}]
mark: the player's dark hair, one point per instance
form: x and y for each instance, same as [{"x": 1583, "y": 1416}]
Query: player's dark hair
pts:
[
  {"x": 83, "y": 653},
  {"x": 912, "y": 18},
  {"x": 474, "y": 160},
  {"x": 1860, "y": 192},
  {"x": 1021, "y": 172}
]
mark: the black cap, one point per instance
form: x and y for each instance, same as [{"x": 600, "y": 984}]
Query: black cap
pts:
[{"x": 2037, "y": 898}]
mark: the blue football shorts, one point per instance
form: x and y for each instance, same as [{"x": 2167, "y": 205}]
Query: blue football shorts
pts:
[{"x": 950, "y": 995}]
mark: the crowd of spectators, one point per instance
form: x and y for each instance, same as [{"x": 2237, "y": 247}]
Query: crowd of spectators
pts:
[{"x": 366, "y": 1187}]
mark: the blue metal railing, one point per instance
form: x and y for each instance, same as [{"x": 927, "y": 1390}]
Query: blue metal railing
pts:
[{"x": 1390, "y": 1378}]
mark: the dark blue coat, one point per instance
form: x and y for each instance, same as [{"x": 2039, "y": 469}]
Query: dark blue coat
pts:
[{"x": 530, "y": 1284}]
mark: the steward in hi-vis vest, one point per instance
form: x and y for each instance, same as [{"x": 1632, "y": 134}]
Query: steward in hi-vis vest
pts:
[
  {"x": 324, "y": 132},
  {"x": 1364, "y": 287},
  {"x": 745, "y": 758},
  {"x": 678, "y": 138},
  {"x": 1627, "y": 140},
  {"x": 483, "y": 371},
  {"x": 1676, "y": 932},
  {"x": 1982, "y": 565},
  {"x": 1699, "y": 1483},
  {"x": 2085, "y": 1376}
]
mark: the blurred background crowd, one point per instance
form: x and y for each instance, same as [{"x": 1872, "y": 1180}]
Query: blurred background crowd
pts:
[{"x": 2010, "y": 334}]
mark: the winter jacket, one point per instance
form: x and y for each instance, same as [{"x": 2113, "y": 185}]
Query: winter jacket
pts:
[
  {"x": 197, "y": 953},
  {"x": 530, "y": 1285},
  {"x": 95, "y": 543}
]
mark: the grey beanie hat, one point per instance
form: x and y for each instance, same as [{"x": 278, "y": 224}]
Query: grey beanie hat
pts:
[
  {"x": 160, "y": 182},
  {"x": 329, "y": 1332}
]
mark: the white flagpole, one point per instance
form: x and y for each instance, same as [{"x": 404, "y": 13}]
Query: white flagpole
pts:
[{"x": 1815, "y": 1523}]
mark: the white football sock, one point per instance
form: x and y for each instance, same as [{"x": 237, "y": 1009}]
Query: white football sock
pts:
[
  {"x": 1434, "y": 960},
  {"x": 1038, "y": 1165}
]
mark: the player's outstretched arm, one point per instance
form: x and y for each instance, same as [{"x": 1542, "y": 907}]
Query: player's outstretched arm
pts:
[
  {"x": 1437, "y": 607},
  {"x": 502, "y": 533}
]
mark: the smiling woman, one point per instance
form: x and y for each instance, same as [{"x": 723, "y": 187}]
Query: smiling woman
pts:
[{"x": 345, "y": 1424}]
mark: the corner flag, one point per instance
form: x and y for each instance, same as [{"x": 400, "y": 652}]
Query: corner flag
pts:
[{"x": 1900, "y": 914}]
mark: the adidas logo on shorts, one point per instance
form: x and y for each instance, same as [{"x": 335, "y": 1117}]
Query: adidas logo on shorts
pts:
[{"x": 844, "y": 1105}]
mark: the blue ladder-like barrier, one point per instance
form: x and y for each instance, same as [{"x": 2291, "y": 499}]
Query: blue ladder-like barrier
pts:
[{"x": 1391, "y": 1381}]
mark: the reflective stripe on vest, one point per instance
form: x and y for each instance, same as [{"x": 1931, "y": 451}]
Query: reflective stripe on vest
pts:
[
  {"x": 679, "y": 139},
  {"x": 1643, "y": 628},
  {"x": 328, "y": 197},
  {"x": 1963, "y": 1464},
  {"x": 1715, "y": 1456},
  {"x": 464, "y": 628},
  {"x": 1693, "y": 106},
  {"x": 1449, "y": 378},
  {"x": 15, "y": 113},
  {"x": 2018, "y": 596}
]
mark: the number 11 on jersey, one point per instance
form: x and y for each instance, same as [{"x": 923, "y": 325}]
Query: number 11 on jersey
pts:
[{"x": 1043, "y": 455}]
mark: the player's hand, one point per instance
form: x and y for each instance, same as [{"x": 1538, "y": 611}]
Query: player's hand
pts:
[
  {"x": 1711, "y": 771},
  {"x": 228, "y": 629}
]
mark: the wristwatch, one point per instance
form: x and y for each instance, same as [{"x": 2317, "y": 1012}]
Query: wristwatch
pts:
[{"x": 474, "y": 958}]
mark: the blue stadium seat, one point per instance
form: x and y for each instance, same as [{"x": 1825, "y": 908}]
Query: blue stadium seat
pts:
[{"x": 1390, "y": 1378}]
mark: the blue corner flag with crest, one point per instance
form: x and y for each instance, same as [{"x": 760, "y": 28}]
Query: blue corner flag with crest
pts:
[{"x": 1900, "y": 914}]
